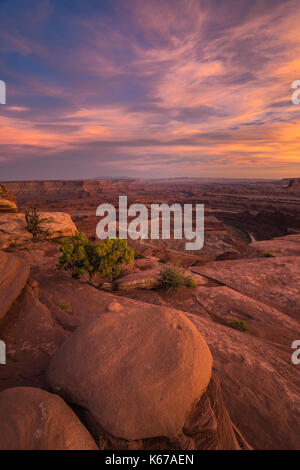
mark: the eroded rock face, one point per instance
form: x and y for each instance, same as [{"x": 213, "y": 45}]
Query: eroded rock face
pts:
[
  {"x": 13, "y": 276},
  {"x": 13, "y": 228},
  {"x": 8, "y": 203},
  {"x": 139, "y": 373},
  {"x": 32, "y": 419}
]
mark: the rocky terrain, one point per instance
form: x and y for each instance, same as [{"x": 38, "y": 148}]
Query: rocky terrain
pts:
[
  {"x": 133, "y": 365},
  {"x": 8, "y": 203}
]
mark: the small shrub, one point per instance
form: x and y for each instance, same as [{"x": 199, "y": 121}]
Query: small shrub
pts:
[
  {"x": 267, "y": 254},
  {"x": 163, "y": 260},
  {"x": 139, "y": 256},
  {"x": 65, "y": 306},
  {"x": 109, "y": 255},
  {"x": 34, "y": 221},
  {"x": 74, "y": 256},
  {"x": 81, "y": 256},
  {"x": 238, "y": 325},
  {"x": 174, "y": 277},
  {"x": 102, "y": 443}
]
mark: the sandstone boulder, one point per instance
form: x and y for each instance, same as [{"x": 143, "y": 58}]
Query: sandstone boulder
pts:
[
  {"x": 59, "y": 224},
  {"x": 14, "y": 273},
  {"x": 139, "y": 374},
  {"x": 8, "y": 203},
  {"x": 32, "y": 419},
  {"x": 142, "y": 280},
  {"x": 13, "y": 228}
]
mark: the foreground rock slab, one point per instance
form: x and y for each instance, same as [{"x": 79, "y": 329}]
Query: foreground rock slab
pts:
[
  {"x": 32, "y": 419},
  {"x": 273, "y": 281},
  {"x": 139, "y": 373}
]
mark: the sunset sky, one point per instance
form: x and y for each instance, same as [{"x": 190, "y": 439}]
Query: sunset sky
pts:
[{"x": 149, "y": 88}]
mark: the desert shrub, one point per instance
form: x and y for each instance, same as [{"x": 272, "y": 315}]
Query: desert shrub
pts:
[
  {"x": 34, "y": 221},
  {"x": 163, "y": 260},
  {"x": 81, "y": 256},
  {"x": 64, "y": 305},
  {"x": 74, "y": 256},
  {"x": 109, "y": 255},
  {"x": 267, "y": 254},
  {"x": 174, "y": 277},
  {"x": 139, "y": 256},
  {"x": 103, "y": 443},
  {"x": 238, "y": 325}
]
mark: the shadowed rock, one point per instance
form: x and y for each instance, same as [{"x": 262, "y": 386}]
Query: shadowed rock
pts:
[
  {"x": 32, "y": 419},
  {"x": 13, "y": 276}
]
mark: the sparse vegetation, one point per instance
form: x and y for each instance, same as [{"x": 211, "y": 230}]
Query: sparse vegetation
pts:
[
  {"x": 139, "y": 256},
  {"x": 102, "y": 443},
  {"x": 34, "y": 221},
  {"x": 163, "y": 260},
  {"x": 173, "y": 277},
  {"x": 267, "y": 254},
  {"x": 81, "y": 256},
  {"x": 239, "y": 325},
  {"x": 64, "y": 305}
]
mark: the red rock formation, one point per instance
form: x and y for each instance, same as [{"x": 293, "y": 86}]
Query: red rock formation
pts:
[
  {"x": 8, "y": 203},
  {"x": 32, "y": 419}
]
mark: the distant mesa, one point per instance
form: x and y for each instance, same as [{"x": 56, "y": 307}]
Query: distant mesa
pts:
[{"x": 294, "y": 184}]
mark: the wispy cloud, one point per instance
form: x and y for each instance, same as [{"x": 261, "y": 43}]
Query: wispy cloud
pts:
[{"x": 152, "y": 88}]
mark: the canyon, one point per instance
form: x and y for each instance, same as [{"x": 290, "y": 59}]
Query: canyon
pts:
[{"x": 140, "y": 348}]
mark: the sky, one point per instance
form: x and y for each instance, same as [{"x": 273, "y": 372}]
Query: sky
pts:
[{"x": 149, "y": 89}]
